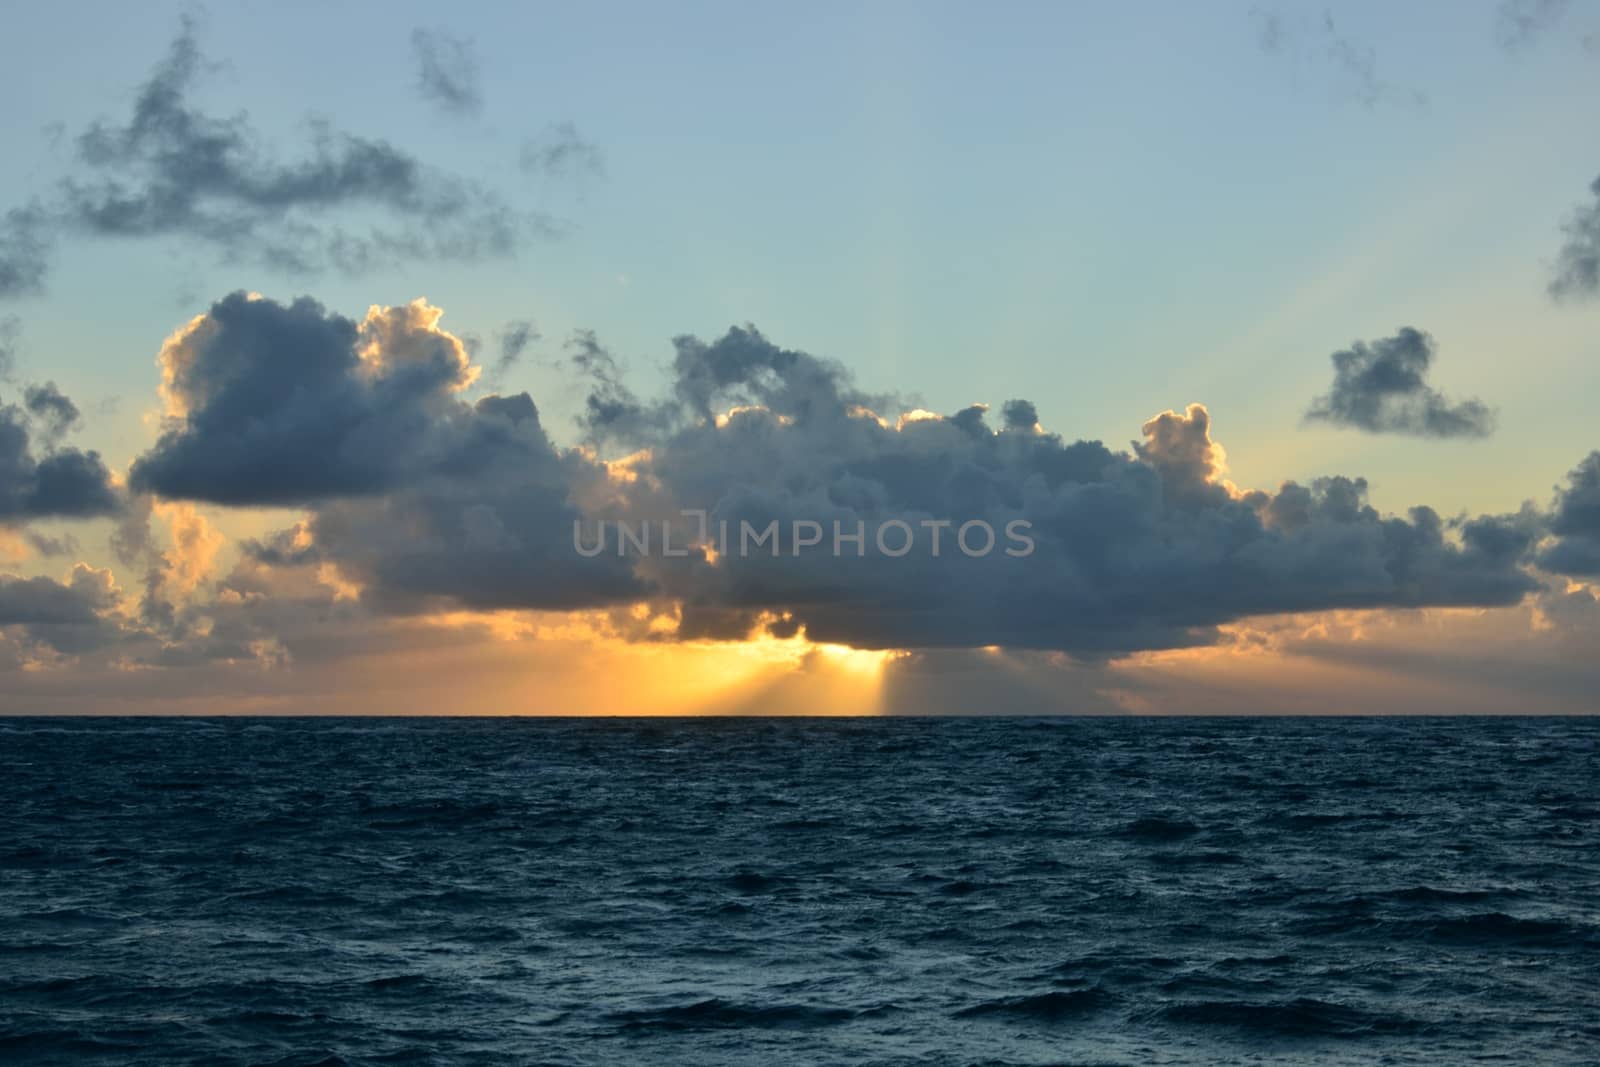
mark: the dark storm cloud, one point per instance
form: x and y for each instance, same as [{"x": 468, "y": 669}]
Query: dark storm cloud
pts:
[
  {"x": 1577, "y": 271},
  {"x": 170, "y": 169},
  {"x": 1575, "y": 522},
  {"x": 52, "y": 481},
  {"x": 447, "y": 71},
  {"x": 1382, "y": 387}
]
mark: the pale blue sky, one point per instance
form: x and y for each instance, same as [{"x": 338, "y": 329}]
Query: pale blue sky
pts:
[{"x": 1108, "y": 209}]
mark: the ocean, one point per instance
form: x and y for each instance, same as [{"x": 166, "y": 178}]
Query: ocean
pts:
[{"x": 719, "y": 891}]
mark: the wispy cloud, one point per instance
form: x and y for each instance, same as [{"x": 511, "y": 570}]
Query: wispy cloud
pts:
[
  {"x": 1320, "y": 40},
  {"x": 447, "y": 71},
  {"x": 171, "y": 169}
]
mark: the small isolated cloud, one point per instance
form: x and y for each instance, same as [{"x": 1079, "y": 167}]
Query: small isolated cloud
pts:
[
  {"x": 1381, "y": 387},
  {"x": 514, "y": 341},
  {"x": 563, "y": 152},
  {"x": 1577, "y": 273},
  {"x": 1575, "y": 522},
  {"x": 447, "y": 71},
  {"x": 1354, "y": 63},
  {"x": 1518, "y": 23}
]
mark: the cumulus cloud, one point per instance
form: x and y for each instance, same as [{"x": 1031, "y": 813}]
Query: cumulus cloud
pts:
[
  {"x": 1577, "y": 270},
  {"x": 421, "y": 501},
  {"x": 41, "y": 616},
  {"x": 279, "y": 404},
  {"x": 1140, "y": 550},
  {"x": 170, "y": 169},
  {"x": 418, "y": 492},
  {"x": 1381, "y": 387},
  {"x": 447, "y": 71},
  {"x": 51, "y": 481},
  {"x": 1575, "y": 522}
]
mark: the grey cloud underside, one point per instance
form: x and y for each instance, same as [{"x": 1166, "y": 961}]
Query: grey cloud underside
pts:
[
  {"x": 344, "y": 202},
  {"x": 1382, "y": 387},
  {"x": 63, "y": 617},
  {"x": 1132, "y": 551},
  {"x": 1575, "y": 523},
  {"x": 427, "y": 501},
  {"x": 447, "y": 71}
]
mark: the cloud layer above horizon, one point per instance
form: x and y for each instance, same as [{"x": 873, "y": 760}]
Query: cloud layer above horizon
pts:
[{"x": 421, "y": 499}]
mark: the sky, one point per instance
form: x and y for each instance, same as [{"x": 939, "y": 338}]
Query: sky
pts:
[{"x": 321, "y": 326}]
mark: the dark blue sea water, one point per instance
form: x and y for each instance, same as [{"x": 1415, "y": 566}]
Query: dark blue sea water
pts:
[{"x": 1128, "y": 891}]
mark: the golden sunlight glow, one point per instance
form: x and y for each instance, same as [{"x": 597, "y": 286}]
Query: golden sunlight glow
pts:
[
  {"x": 916, "y": 415},
  {"x": 583, "y": 664}
]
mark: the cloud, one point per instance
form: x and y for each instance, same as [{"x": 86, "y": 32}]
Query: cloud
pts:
[
  {"x": 281, "y": 404},
  {"x": 1577, "y": 271},
  {"x": 40, "y": 615},
  {"x": 1518, "y": 23},
  {"x": 1575, "y": 522},
  {"x": 53, "y": 409},
  {"x": 1134, "y": 551},
  {"x": 562, "y": 151},
  {"x": 1382, "y": 387},
  {"x": 170, "y": 169},
  {"x": 514, "y": 338},
  {"x": 1321, "y": 40},
  {"x": 25, "y": 239},
  {"x": 418, "y": 492},
  {"x": 55, "y": 482},
  {"x": 421, "y": 502},
  {"x": 10, "y": 328},
  {"x": 447, "y": 71}
]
